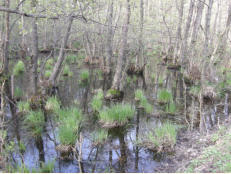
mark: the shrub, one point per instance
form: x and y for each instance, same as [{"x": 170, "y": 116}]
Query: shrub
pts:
[
  {"x": 164, "y": 96},
  {"x": 117, "y": 114},
  {"x": 143, "y": 102},
  {"x": 19, "y": 68},
  {"x": 97, "y": 101},
  {"x": 162, "y": 138},
  {"x": 35, "y": 121},
  {"x": 52, "y": 104},
  {"x": 70, "y": 120}
]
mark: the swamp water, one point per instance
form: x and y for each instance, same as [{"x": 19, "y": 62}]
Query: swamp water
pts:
[{"x": 119, "y": 153}]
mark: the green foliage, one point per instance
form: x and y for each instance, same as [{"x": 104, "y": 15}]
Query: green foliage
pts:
[
  {"x": 67, "y": 71},
  {"x": 160, "y": 81},
  {"x": 22, "y": 147},
  {"x": 19, "y": 68},
  {"x": 49, "y": 64},
  {"x": 70, "y": 120},
  {"x": 77, "y": 45},
  {"x": 18, "y": 93},
  {"x": 47, "y": 167},
  {"x": 71, "y": 58},
  {"x": 163, "y": 136},
  {"x": 19, "y": 169},
  {"x": 195, "y": 90},
  {"x": 35, "y": 122},
  {"x": 47, "y": 74},
  {"x": 100, "y": 136},
  {"x": 23, "y": 106},
  {"x": 143, "y": 101},
  {"x": 97, "y": 101},
  {"x": 52, "y": 104},
  {"x": 113, "y": 92},
  {"x": 171, "y": 107},
  {"x": 164, "y": 96},
  {"x": 118, "y": 113},
  {"x": 84, "y": 75}
]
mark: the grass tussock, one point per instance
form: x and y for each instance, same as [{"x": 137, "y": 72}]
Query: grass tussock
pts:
[
  {"x": 23, "y": 106},
  {"x": 34, "y": 122},
  {"x": 97, "y": 101},
  {"x": 161, "y": 139},
  {"x": 84, "y": 75},
  {"x": 164, "y": 96},
  {"x": 69, "y": 128},
  {"x": 18, "y": 93},
  {"x": 100, "y": 136},
  {"x": 19, "y": 68},
  {"x": 52, "y": 104},
  {"x": 143, "y": 102},
  {"x": 67, "y": 72},
  {"x": 116, "y": 115}
]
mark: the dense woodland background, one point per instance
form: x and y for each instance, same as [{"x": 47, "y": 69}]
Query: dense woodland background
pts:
[{"x": 144, "y": 38}]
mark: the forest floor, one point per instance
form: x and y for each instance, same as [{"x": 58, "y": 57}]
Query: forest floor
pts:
[{"x": 198, "y": 153}]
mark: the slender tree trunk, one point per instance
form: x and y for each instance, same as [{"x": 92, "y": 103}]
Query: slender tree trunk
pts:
[
  {"x": 109, "y": 41},
  {"x": 139, "y": 58},
  {"x": 196, "y": 27},
  {"x": 123, "y": 50},
  {"x": 179, "y": 28},
  {"x": 184, "y": 44},
  {"x": 61, "y": 57}
]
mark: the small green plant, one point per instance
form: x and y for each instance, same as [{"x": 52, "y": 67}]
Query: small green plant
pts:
[
  {"x": 47, "y": 74},
  {"x": 143, "y": 102},
  {"x": 23, "y": 106},
  {"x": 195, "y": 90},
  {"x": 49, "y": 64},
  {"x": 97, "y": 101},
  {"x": 70, "y": 120},
  {"x": 52, "y": 104},
  {"x": 67, "y": 71},
  {"x": 71, "y": 58},
  {"x": 22, "y": 147},
  {"x": 19, "y": 68},
  {"x": 171, "y": 107},
  {"x": 162, "y": 138},
  {"x": 47, "y": 167},
  {"x": 35, "y": 122},
  {"x": 84, "y": 75},
  {"x": 19, "y": 169},
  {"x": 100, "y": 136},
  {"x": 18, "y": 93},
  {"x": 164, "y": 96},
  {"x": 118, "y": 114}
]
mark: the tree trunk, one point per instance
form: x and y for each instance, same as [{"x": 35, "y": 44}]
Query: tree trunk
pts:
[
  {"x": 61, "y": 57},
  {"x": 139, "y": 58},
  {"x": 109, "y": 41},
  {"x": 179, "y": 28},
  {"x": 123, "y": 50},
  {"x": 184, "y": 44},
  {"x": 196, "y": 26}
]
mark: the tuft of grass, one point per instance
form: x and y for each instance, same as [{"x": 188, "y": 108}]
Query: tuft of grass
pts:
[
  {"x": 49, "y": 64},
  {"x": 47, "y": 74},
  {"x": 118, "y": 113},
  {"x": 70, "y": 120},
  {"x": 35, "y": 122},
  {"x": 97, "y": 101},
  {"x": 52, "y": 104},
  {"x": 84, "y": 75},
  {"x": 18, "y": 93},
  {"x": 23, "y": 106},
  {"x": 100, "y": 136},
  {"x": 19, "y": 68},
  {"x": 71, "y": 58},
  {"x": 47, "y": 167},
  {"x": 67, "y": 71},
  {"x": 143, "y": 102},
  {"x": 171, "y": 108},
  {"x": 195, "y": 90},
  {"x": 164, "y": 96},
  {"x": 162, "y": 138}
]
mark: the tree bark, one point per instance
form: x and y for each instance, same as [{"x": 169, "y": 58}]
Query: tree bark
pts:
[
  {"x": 184, "y": 44},
  {"x": 61, "y": 57},
  {"x": 109, "y": 41},
  {"x": 123, "y": 50}
]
